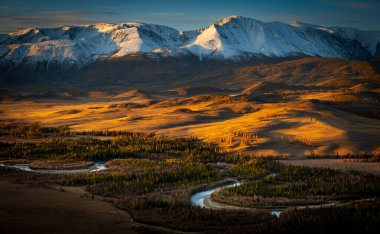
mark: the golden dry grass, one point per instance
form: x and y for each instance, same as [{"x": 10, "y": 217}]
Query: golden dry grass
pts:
[
  {"x": 278, "y": 114},
  {"x": 296, "y": 127}
]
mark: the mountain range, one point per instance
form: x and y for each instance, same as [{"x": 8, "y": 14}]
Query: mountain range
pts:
[{"x": 232, "y": 38}]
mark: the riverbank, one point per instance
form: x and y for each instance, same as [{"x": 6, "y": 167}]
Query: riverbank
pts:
[
  {"x": 60, "y": 165},
  {"x": 282, "y": 187}
]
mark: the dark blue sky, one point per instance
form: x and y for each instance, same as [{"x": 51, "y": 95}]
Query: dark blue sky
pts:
[{"x": 186, "y": 14}]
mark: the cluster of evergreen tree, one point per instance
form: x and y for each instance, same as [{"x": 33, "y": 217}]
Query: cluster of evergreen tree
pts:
[
  {"x": 295, "y": 181},
  {"x": 33, "y": 130},
  {"x": 123, "y": 146},
  {"x": 123, "y": 183}
]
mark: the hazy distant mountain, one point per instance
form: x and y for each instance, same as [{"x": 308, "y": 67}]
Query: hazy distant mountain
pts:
[{"x": 229, "y": 38}]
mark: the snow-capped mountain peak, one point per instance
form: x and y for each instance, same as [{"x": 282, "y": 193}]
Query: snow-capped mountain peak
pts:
[
  {"x": 227, "y": 38},
  {"x": 235, "y": 35},
  {"x": 227, "y": 19}
]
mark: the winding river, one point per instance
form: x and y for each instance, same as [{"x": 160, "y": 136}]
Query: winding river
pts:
[
  {"x": 99, "y": 166},
  {"x": 198, "y": 198},
  {"x": 203, "y": 199}
]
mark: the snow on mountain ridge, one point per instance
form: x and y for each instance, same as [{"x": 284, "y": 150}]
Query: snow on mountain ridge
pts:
[
  {"x": 232, "y": 36},
  {"x": 83, "y": 44},
  {"x": 227, "y": 38}
]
